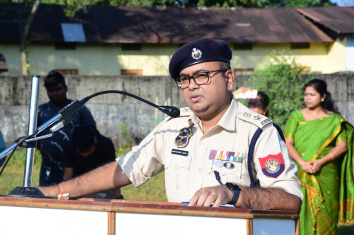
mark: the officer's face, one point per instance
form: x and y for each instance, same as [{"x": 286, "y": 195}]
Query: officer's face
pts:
[{"x": 212, "y": 99}]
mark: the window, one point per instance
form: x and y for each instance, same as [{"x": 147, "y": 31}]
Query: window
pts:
[
  {"x": 300, "y": 46},
  {"x": 73, "y": 32},
  {"x": 68, "y": 71},
  {"x": 243, "y": 71},
  {"x": 138, "y": 72},
  {"x": 65, "y": 46},
  {"x": 243, "y": 46},
  {"x": 131, "y": 47}
]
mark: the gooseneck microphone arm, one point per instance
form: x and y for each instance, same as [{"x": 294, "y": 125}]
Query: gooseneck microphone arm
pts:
[
  {"x": 169, "y": 110},
  {"x": 64, "y": 117}
]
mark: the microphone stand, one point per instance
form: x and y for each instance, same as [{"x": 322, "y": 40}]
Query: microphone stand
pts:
[{"x": 61, "y": 119}]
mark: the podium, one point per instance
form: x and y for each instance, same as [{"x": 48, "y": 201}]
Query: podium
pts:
[{"x": 21, "y": 215}]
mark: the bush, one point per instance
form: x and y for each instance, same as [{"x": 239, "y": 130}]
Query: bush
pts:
[{"x": 282, "y": 80}]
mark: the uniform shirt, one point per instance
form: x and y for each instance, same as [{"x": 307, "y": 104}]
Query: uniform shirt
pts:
[
  {"x": 104, "y": 153},
  {"x": 189, "y": 168},
  {"x": 52, "y": 148}
]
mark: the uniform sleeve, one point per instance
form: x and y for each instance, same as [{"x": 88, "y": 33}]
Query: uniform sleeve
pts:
[
  {"x": 145, "y": 160},
  {"x": 291, "y": 126},
  {"x": 273, "y": 165}
]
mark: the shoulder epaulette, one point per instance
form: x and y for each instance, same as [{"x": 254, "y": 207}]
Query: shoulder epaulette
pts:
[{"x": 254, "y": 118}]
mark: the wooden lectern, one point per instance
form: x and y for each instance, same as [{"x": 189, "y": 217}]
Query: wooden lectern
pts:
[{"x": 20, "y": 215}]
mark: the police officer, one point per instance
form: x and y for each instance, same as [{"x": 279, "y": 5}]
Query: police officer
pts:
[{"x": 206, "y": 151}]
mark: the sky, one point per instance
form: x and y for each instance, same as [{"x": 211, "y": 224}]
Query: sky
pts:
[{"x": 343, "y": 3}]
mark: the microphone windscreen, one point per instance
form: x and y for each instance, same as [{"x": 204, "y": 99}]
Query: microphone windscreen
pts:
[{"x": 170, "y": 111}]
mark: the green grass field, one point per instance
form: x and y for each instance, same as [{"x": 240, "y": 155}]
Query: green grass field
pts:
[
  {"x": 13, "y": 175},
  {"x": 153, "y": 190}
]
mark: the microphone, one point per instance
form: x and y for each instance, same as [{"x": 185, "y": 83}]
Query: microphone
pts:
[{"x": 170, "y": 111}]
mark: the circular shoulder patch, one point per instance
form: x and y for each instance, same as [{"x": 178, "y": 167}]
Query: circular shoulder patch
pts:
[{"x": 272, "y": 166}]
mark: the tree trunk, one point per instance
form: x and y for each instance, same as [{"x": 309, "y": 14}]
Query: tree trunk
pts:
[{"x": 25, "y": 35}]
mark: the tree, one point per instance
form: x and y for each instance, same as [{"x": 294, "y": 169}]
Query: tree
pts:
[
  {"x": 26, "y": 15},
  {"x": 296, "y": 3},
  {"x": 282, "y": 80}
]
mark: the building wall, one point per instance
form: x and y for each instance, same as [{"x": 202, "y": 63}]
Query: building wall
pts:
[
  {"x": 153, "y": 59},
  {"x": 337, "y": 56}
]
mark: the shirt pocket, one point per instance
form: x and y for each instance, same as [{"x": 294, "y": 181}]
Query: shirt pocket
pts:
[
  {"x": 177, "y": 173},
  {"x": 228, "y": 172}
]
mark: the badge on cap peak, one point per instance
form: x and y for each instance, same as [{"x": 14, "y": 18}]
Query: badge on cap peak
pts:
[{"x": 196, "y": 54}]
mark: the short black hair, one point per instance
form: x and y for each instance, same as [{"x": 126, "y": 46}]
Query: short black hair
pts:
[
  {"x": 54, "y": 78},
  {"x": 85, "y": 136},
  {"x": 262, "y": 102}
]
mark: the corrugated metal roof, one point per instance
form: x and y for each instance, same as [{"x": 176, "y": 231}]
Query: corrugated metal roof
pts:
[
  {"x": 170, "y": 25},
  {"x": 337, "y": 19}
]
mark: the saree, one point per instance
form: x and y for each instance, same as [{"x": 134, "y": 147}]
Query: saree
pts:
[{"x": 328, "y": 194}]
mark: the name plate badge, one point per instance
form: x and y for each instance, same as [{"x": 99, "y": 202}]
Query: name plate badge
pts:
[{"x": 179, "y": 152}]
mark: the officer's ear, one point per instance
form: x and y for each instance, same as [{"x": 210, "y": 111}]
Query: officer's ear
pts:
[{"x": 230, "y": 79}]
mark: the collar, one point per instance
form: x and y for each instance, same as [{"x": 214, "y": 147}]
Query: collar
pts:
[
  {"x": 224, "y": 122},
  {"x": 228, "y": 121}
]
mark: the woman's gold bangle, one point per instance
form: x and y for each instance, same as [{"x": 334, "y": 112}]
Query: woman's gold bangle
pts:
[
  {"x": 331, "y": 156},
  {"x": 302, "y": 163}
]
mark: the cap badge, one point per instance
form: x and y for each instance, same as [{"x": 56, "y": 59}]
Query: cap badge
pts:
[
  {"x": 196, "y": 54},
  {"x": 183, "y": 138}
]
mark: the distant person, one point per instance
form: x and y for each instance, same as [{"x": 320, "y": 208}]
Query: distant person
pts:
[
  {"x": 2, "y": 148},
  {"x": 52, "y": 148},
  {"x": 87, "y": 151},
  {"x": 320, "y": 141},
  {"x": 259, "y": 104}
]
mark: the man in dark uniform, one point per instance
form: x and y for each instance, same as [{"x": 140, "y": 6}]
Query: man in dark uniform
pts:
[{"x": 52, "y": 148}]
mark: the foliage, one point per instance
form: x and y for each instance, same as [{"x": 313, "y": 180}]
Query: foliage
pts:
[
  {"x": 127, "y": 141},
  {"x": 282, "y": 81},
  {"x": 297, "y": 3}
]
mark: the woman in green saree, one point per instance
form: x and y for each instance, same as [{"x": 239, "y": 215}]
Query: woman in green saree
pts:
[{"x": 320, "y": 141}]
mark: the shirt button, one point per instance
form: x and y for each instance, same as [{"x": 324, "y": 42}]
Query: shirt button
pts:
[
  {"x": 176, "y": 166},
  {"x": 200, "y": 169}
]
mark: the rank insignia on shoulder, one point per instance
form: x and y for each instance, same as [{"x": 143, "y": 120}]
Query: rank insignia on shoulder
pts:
[
  {"x": 257, "y": 117},
  {"x": 183, "y": 138},
  {"x": 265, "y": 121},
  {"x": 272, "y": 165}
]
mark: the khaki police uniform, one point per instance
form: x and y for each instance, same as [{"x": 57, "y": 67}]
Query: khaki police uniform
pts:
[{"x": 224, "y": 148}]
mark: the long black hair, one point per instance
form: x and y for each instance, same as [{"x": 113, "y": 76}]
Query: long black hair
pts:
[{"x": 321, "y": 87}]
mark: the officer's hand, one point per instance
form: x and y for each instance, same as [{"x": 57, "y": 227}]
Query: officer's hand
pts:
[{"x": 211, "y": 196}]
